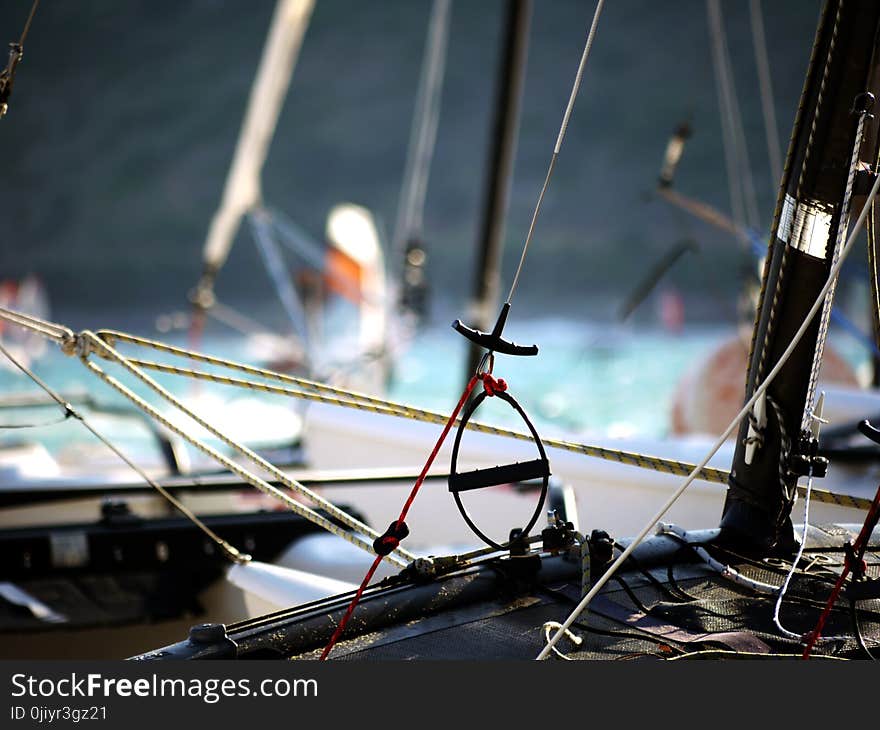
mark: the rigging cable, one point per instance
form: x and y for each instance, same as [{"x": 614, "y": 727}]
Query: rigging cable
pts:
[
  {"x": 88, "y": 343},
  {"x": 562, "y": 130},
  {"x": 759, "y": 392},
  {"x": 423, "y": 136},
  {"x": 50, "y": 330},
  {"x": 874, "y": 275},
  {"x": 742, "y": 190},
  {"x": 41, "y": 424},
  {"x": 273, "y": 263},
  {"x": 231, "y": 552},
  {"x": 793, "y": 570},
  {"x": 762, "y": 63},
  {"x": 322, "y": 393}
]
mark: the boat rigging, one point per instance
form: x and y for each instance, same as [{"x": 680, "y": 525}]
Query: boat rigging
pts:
[
  {"x": 777, "y": 444},
  {"x": 16, "y": 52}
]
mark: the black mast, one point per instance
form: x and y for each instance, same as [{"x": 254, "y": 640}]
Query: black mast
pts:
[
  {"x": 809, "y": 213},
  {"x": 505, "y": 124}
]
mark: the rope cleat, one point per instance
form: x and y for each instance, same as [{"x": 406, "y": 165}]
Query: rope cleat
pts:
[
  {"x": 806, "y": 462},
  {"x": 558, "y": 535},
  {"x": 601, "y": 553}
]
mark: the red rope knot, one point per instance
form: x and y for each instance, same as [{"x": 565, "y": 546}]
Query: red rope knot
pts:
[
  {"x": 388, "y": 542},
  {"x": 493, "y": 385}
]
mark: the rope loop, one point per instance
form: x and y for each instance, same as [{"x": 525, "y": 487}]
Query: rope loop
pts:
[{"x": 555, "y": 626}]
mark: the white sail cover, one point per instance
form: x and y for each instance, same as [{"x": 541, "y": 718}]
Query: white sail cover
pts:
[{"x": 243, "y": 186}]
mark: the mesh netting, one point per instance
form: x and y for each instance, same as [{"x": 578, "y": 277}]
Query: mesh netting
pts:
[{"x": 681, "y": 609}]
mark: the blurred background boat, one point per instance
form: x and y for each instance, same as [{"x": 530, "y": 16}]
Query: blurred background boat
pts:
[{"x": 145, "y": 170}]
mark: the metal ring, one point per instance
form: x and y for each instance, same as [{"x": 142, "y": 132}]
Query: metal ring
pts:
[
  {"x": 469, "y": 411},
  {"x": 488, "y": 357}
]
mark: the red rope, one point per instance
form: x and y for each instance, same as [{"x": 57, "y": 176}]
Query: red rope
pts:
[
  {"x": 351, "y": 606},
  {"x": 858, "y": 551},
  {"x": 391, "y": 540}
]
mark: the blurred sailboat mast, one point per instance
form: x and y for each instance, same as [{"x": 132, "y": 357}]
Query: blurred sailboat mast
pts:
[
  {"x": 243, "y": 190},
  {"x": 408, "y": 250},
  {"x": 505, "y": 128}
]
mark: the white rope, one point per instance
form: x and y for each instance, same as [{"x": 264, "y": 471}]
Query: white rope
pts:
[
  {"x": 784, "y": 588},
  {"x": 562, "y": 130},
  {"x": 399, "y": 556},
  {"x": 759, "y": 392},
  {"x": 734, "y": 190},
  {"x": 231, "y": 552},
  {"x": 794, "y": 565},
  {"x": 575, "y": 639},
  {"x": 725, "y": 570},
  {"x": 48, "y": 329}
]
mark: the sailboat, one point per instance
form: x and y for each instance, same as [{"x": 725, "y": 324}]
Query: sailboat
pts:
[
  {"x": 71, "y": 579},
  {"x": 483, "y": 579},
  {"x": 758, "y": 585},
  {"x": 384, "y": 442},
  {"x": 349, "y": 267}
]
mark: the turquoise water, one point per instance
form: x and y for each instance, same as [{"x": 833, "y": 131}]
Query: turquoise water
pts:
[{"x": 587, "y": 379}]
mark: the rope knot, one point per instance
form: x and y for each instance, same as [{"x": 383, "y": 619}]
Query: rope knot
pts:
[
  {"x": 76, "y": 344},
  {"x": 493, "y": 385},
  {"x": 69, "y": 344},
  {"x": 390, "y": 539}
]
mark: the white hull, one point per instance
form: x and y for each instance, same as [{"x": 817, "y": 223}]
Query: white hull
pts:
[{"x": 610, "y": 496}]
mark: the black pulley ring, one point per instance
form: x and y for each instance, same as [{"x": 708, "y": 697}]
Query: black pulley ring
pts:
[{"x": 507, "y": 474}]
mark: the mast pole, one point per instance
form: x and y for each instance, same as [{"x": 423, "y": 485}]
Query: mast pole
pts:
[
  {"x": 810, "y": 222},
  {"x": 505, "y": 126},
  {"x": 243, "y": 188}
]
